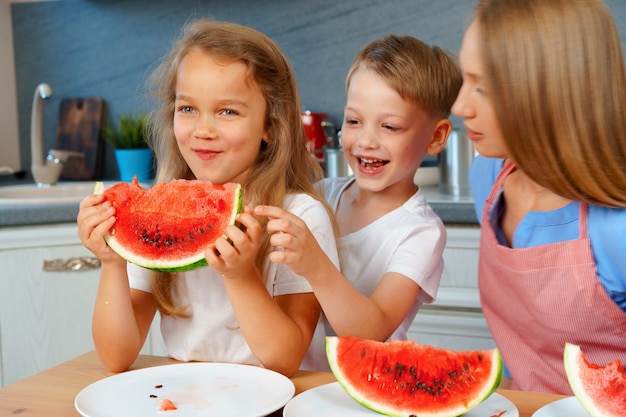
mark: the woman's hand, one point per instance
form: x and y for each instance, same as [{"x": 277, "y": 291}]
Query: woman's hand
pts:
[
  {"x": 232, "y": 255},
  {"x": 95, "y": 218}
]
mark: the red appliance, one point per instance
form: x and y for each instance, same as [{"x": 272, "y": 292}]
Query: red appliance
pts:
[{"x": 317, "y": 128}]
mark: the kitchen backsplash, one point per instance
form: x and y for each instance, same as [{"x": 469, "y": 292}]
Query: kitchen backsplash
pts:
[{"x": 105, "y": 48}]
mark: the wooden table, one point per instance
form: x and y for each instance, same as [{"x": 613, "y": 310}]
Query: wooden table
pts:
[{"x": 51, "y": 393}]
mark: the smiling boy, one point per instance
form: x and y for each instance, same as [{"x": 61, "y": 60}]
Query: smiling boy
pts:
[{"x": 399, "y": 95}]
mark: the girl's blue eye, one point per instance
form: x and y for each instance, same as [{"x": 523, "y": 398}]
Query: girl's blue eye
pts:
[{"x": 229, "y": 112}]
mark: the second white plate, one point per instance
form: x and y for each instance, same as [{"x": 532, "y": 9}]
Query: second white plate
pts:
[
  {"x": 569, "y": 407},
  {"x": 331, "y": 400}
]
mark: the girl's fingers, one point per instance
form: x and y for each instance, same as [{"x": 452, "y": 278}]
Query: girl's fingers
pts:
[
  {"x": 95, "y": 220},
  {"x": 103, "y": 228},
  {"x": 91, "y": 200}
]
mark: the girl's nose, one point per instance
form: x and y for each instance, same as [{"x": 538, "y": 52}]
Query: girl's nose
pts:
[{"x": 204, "y": 128}]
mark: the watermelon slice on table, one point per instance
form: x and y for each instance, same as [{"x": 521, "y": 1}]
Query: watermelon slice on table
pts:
[
  {"x": 600, "y": 389},
  {"x": 403, "y": 378},
  {"x": 169, "y": 226}
]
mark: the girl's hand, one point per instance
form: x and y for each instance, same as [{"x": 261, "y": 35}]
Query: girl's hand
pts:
[
  {"x": 95, "y": 218},
  {"x": 295, "y": 245},
  {"x": 232, "y": 256}
]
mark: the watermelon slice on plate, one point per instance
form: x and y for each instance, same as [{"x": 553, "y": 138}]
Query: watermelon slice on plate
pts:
[
  {"x": 168, "y": 226},
  {"x": 403, "y": 378},
  {"x": 600, "y": 389}
]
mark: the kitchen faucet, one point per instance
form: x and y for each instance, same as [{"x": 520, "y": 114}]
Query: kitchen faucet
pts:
[{"x": 45, "y": 173}]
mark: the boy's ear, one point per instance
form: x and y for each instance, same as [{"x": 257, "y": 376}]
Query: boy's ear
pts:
[{"x": 440, "y": 137}]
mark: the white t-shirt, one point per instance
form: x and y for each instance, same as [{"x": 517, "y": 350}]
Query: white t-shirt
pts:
[
  {"x": 212, "y": 333},
  {"x": 408, "y": 240}
]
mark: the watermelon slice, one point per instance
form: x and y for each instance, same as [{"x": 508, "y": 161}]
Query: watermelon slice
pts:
[
  {"x": 169, "y": 226},
  {"x": 403, "y": 378},
  {"x": 600, "y": 389}
]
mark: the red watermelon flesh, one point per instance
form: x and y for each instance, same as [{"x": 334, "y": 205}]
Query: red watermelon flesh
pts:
[
  {"x": 169, "y": 226},
  {"x": 403, "y": 378},
  {"x": 600, "y": 389}
]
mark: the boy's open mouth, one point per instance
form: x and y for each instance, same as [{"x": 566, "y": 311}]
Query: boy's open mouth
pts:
[{"x": 372, "y": 163}]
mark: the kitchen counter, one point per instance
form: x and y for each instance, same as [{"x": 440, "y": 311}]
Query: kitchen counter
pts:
[
  {"x": 451, "y": 209},
  {"x": 32, "y": 215}
]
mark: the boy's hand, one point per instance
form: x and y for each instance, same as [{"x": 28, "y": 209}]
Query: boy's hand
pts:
[{"x": 294, "y": 244}]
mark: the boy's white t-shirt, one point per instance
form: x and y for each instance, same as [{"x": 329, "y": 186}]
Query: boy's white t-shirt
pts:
[
  {"x": 212, "y": 333},
  {"x": 408, "y": 240}
]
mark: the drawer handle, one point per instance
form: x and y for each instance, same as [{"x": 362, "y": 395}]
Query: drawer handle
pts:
[{"x": 72, "y": 264}]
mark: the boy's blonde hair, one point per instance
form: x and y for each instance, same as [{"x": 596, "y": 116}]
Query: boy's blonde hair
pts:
[
  {"x": 283, "y": 165},
  {"x": 554, "y": 70},
  {"x": 425, "y": 75}
]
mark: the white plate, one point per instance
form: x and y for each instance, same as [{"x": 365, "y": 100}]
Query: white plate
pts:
[
  {"x": 199, "y": 388},
  {"x": 567, "y": 407},
  {"x": 331, "y": 400}
]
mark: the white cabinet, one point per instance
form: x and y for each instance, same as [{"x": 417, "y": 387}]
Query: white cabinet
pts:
[
  {"x": 45, "y": 317},
  {"x": 455, "y": 320}
]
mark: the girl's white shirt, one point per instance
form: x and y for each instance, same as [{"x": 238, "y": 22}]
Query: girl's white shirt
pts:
[{"x": 212, "y": 332}]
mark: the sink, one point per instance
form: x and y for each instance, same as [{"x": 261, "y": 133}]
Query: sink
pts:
[{"x": 61, "y": 193}]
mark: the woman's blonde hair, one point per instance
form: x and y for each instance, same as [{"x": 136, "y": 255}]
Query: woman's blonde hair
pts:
[
  {"x": 554, "y": 70},
  {"x": 283, "y": 164},
  {"x": 421, "y": 74}
]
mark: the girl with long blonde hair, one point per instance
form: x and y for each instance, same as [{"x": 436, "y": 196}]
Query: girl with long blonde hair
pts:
[{"x": 230, "y": 112}]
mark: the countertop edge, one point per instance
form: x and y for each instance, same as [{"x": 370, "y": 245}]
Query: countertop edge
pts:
[{"x": 451, "y": 210}]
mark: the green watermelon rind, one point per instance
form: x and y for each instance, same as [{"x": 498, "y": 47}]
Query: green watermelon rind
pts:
[
  {"x": 493, "y": 383},
  {"x": 572, "y": 359},
  {"x": 179, "y": 265},
  {"x": 98, "y": 188}
]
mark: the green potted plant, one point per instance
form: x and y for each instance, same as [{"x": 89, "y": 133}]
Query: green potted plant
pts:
[{"x": 133, "y": 156}]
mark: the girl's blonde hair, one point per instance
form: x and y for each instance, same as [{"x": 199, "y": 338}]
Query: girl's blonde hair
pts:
[
  {"x": 283, "y": 164},
  {"x": 554, "y": 70},
  {"x": 425, "y": 75}
]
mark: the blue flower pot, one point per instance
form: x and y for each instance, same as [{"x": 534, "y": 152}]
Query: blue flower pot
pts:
[{"x": 134, "y": 162}]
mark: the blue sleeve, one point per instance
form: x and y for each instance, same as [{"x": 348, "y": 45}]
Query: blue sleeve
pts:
[
  {"x": 482, "y": 175},
  {"x": 505, "y": 370},
  {"x": 607, "y": 231}
]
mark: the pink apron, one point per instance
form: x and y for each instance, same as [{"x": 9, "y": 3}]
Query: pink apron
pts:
[{"x": 536, "y": 299}]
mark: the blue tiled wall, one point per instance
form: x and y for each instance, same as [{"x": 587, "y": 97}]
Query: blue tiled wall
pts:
[{"x": 107, "y": 48}]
